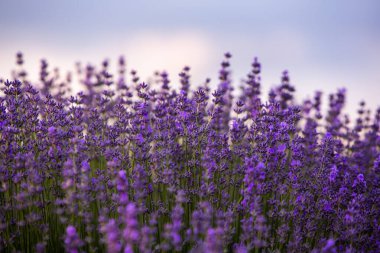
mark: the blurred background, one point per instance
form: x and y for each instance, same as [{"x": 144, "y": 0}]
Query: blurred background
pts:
[{"x": 325, "y": 45}]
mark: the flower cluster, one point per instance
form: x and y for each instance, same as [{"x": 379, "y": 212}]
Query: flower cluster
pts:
[{"x": 127, "y": 166}]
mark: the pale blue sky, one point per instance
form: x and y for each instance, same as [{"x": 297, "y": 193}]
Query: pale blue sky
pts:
[{"x": 324, "y": 44}]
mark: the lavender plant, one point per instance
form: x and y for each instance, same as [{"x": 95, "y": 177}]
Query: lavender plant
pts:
[{"x": 126, "y": 166}]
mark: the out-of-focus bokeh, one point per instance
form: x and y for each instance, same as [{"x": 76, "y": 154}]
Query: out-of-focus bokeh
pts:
[{"x": 324, "y": 44}]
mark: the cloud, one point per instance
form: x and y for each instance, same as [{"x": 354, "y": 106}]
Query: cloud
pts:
[
  {"x": 150, "y": 50},
  {"x": 145, "y": 51}
]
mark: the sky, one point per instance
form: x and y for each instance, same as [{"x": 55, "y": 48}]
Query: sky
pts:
[{"x": 325, "y": 45}]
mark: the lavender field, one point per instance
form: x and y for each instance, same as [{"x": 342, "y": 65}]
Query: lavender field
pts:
[{"x": 172, "y": 166}]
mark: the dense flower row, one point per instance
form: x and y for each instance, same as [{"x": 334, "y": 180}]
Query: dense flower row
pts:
[{"x": 126, "y": 166}]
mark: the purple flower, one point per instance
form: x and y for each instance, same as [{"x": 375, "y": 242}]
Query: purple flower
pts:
[
  {"x": 111, "y": 232},
  {"x": 148, "y": 167},
  {"x": 131, "y": 233},
  {"x": 72, "y": 241}
]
